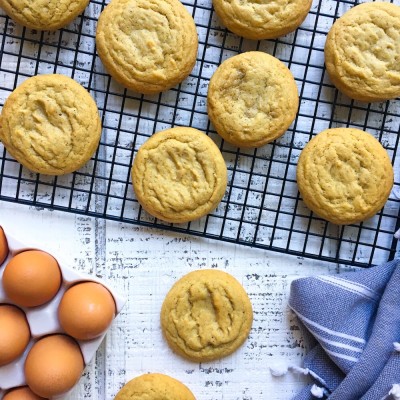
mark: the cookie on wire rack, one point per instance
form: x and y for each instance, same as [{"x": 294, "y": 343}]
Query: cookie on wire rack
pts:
[
  {"x": 50, "y": 124},
  {"x": 48, "y": 15},
  {"x": 362, "y": 52},
  {"x": 147, "y": 46},
  {"x": 179, "y": 175},
  {"x": 252, "y": 99},
  {"x": 262, "y": 19},
  {"x": 344, "y": 175}
]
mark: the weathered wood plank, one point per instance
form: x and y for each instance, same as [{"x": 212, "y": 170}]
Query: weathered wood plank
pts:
[{"x": 142, "y": 264}]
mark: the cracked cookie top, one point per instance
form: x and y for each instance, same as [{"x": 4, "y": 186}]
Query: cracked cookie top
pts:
[
  {"x": 206, "y": 315},
  {"x": 50, "y": 124},
  {"x": 179, "y": 175},
  {"x": 252, "y": 99},
  {"x": 362, "y": 52},
  {"x": 255, "y": 19},
  {"x": 147, "y": 45},
  {"x": 46, "y": 15},
  {"x": 344, "y": 175},
  {"x": 154, "y": 387}
]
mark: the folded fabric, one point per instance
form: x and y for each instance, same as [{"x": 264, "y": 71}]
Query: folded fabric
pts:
[{"x": 355, "y": 318}]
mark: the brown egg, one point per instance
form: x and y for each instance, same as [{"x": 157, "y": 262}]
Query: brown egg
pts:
[
  {"x": 14, "y": 333},
  {"x": 31, "y": 278},
  {"x": 86, "y": 310},
  {"x": 3, "y": 246},
  {"x": 54, "y": 365},
  {"x": 22, "y": 393}
]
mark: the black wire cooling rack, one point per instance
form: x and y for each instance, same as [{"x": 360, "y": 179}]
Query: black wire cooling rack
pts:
[{"x": 262, "y": 207}]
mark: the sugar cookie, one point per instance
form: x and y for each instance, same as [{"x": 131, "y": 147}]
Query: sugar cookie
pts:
[
  {"x": 206, "y": 315},
  {"x": 179, "y": 175},
  {"x": 154, "y": 387},
  {"x": 362, "y": 52},
  {"x": 252, "y": 99},
  {"x": 262, "y": 19},
  {"x": 344, "y": 175},
  {"x": 147, "y": 46},
  {"x": 50, "y": 124},
  {"x": 45, "y": 16}
]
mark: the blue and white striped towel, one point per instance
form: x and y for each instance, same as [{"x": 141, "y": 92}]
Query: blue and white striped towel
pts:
[{"x": 355, "y": 318}]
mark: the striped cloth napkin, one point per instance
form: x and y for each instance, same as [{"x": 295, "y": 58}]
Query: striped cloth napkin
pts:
[{"x": 355, "y": 319}]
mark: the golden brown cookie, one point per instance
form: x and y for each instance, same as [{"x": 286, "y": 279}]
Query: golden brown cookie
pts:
[
  {"x": 252, "y": 99},
  {"x": 50, "y": 124},
  {"x": 344, "y": 175},
  {"x": 46, "y": 15},
  {"x": 206, "y": 315},
  {"x": 147, "y": 46},
  {"x": 179, "y": 175},
  {"x": 262, "y": 19},
  {"x": 362, "y": 52},
  {"x": 154, "y": 387}
]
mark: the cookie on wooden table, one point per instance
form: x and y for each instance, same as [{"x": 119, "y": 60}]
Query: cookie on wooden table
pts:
[
  {"x": 147, "y": 46},
  {"x": 362, "y": 52},
  {"x": 206, "y": 315},
  {"x": 179, "y": 175},
  {"x": 252, "y": 99},
  {"x": 344, "y": 175},
  {"x": 42, "y": 15},
  {"x": 50, "y": 124},
  {"x": 154, "y": 387},
  {"x": 262, "y": 19}
]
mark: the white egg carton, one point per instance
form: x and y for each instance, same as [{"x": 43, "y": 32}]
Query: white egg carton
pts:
[{"x": 43, "y": 320}]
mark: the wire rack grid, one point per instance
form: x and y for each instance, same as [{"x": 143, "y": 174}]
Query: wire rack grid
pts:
[{"x": 262, "y": 206}]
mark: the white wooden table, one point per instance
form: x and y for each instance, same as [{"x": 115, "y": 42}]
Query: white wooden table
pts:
[{"x": 142, "y": 264}]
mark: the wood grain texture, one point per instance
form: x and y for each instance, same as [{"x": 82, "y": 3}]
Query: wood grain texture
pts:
[
  {"x": 262, "y": 199},
  {"x": 142, "y": 264}
]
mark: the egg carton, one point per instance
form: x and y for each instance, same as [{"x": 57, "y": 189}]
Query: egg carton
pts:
[{"x": 43, "y": 320}]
